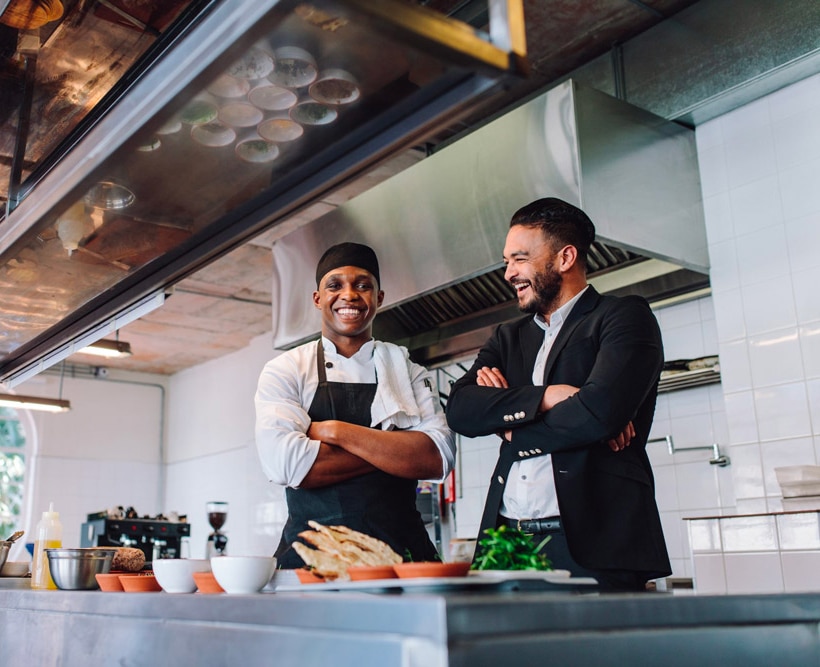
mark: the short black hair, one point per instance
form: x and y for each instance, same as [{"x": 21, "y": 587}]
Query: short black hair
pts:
[{"x": 560, "y": 222}]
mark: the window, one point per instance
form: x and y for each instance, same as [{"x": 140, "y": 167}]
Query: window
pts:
[{"x": 12, "y": 471}]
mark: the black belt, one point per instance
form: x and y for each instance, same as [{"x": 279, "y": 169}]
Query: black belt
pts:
[{"x": 533, "y": 526}]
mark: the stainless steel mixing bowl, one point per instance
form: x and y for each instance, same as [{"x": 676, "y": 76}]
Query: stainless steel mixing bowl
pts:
[{"x": 75, "y": 569}]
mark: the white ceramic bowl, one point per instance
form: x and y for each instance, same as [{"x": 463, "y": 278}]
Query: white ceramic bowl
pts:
[
  {"x": 243, "y": 574},
  {"x": 176, "y": 575}
]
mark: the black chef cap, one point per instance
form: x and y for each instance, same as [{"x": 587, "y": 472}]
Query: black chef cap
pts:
[{"x": 348, "y": 254}]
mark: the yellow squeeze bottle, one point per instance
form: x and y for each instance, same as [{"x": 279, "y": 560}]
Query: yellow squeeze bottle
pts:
[{"x": 49, "y": 536}]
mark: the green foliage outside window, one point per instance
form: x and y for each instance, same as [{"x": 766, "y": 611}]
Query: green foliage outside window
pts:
[{"x": 12, "y": 471}]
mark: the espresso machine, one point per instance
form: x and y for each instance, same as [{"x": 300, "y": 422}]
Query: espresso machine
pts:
[{"x": 156, "y": 537}]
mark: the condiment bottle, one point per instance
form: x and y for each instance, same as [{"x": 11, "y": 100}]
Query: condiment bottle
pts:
[{"x": 49, "y": 535}]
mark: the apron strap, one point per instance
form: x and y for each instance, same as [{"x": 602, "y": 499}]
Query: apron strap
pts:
[{"x": 322, "y": 374}]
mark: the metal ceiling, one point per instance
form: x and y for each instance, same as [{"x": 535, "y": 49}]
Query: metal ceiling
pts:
[{"x": 226, "y": 304}]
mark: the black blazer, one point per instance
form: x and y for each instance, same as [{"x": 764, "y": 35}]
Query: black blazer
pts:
[{"x": 611, "y": 348}]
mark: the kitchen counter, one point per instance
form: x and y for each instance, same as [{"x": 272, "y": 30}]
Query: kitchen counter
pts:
[{"x": 462, "y": 628}]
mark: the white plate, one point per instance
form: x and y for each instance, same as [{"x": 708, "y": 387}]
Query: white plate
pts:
[
  {"x": 546, "y": 575},
  {"x": 438, "y": 584}
]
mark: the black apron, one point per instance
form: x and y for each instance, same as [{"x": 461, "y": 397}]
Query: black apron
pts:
[{"x": 376, "y": 503}]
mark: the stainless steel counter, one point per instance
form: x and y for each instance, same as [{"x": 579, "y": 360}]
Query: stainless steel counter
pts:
[{"x": 463, "y": 628}]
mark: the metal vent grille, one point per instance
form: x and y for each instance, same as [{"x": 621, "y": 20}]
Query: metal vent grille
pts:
[{"x": 474, "y": 295}]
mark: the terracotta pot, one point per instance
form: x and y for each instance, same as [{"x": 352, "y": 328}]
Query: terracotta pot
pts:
[
  {"x": 109, "y": 582},
  {"x": 206, "y": 582},
  {"x": 367, "y": 572},
  {"x": 140, "y": 583},
  {"x": 30, "y": 14},
  {"x": 307, "y": 577},
  {"x": 431, "y": 569}
]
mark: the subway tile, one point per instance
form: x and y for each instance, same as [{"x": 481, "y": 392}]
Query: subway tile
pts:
[
  {"x": 797, "y": 138},
  {"x": 747, "y": 475},
  {"x": 813, "y": 390},
  {"x": 685, "y": 342},
  {"x": 790, "y": 452},
  {"x": 753, "y": 573},
  {"x": 810, "y": 349},
  {"x": 717, "y": 212},
  {"x": 749, "y": 157},
  {"x": 697, "y": 484},
  {"x": 801, "y": 571},
  {"x": 756, "y": 206},
  {"x": 735, "y": 366},
  {"x": 799, "y": 531},
  {"x": 688, "y": 402},
  {"x": 760, "y": 256},
  {"x": 803, "y": 239},
  {"x": 806, "y": 301},
  {"x": 731, "y": 325},
  {"x": 666, "y": 488},
  {"x": 749, "y": 533},
  {"x": 704, "y": 535},
  {"x": 724, "y": 273},
  {"x": 751, "y": 506},
  {"x": 709, "y": 576},
  {"x": 782, "y": 411},
  {"x": 775, "y": 358},
  {"x": 799, "y": 192}
]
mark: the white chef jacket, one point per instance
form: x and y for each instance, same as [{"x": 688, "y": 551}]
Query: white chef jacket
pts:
[
  {"x": 530, "y": 490},
  {"x": 286, "y": 389}
]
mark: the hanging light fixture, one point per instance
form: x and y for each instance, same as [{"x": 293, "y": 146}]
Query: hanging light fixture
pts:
[
  {"x": 108, "y": 348},
  {"x": 20, "y": 402},
  {"x": 34, "y": 403}
]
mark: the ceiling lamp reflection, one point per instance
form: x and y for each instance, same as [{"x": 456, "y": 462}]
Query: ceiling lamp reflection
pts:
[
  {"x": 109, "y": 196},
  {"x": 111, "y": 349},
  {"x": 34, "y": 403}
]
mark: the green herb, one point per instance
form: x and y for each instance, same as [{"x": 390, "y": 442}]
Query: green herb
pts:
[{"x": 510, "y": 549}]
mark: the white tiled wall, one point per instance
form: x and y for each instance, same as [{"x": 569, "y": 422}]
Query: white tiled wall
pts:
[{"x": 760, "y": 171}]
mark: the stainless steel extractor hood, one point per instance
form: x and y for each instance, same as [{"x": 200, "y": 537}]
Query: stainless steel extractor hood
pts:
[
  {"x": 257, "y": 108},
  {"x": 439, "y": 226}
]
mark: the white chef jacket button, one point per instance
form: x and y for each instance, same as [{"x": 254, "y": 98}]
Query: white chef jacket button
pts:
[
  {"x": 500, "y": 479},
  {"x": 519, "y": 415},
  {"x": 507, "y": 418},
  {"x": 522, "y": 453},
  {"x": 532, "y": 451},
  {"x": 537, "y": 451}
]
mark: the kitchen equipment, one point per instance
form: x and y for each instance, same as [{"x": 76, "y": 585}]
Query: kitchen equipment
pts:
[
  {"x": 243, "y": 574},
  {"x": 798, "y": 481},
  {"x": 177, "y": 575},
  {"x": 217, "y": 541},
  {"x": 76, "y": 569},
  {"x": 157, "y": 538}
]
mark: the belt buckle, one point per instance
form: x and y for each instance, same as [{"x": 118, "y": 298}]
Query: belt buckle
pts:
[{"x": 518, "y": 525}]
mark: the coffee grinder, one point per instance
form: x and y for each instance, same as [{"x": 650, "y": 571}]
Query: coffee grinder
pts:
[{"x": 217, "y": 542}]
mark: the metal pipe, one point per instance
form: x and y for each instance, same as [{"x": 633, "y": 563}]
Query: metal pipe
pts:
[{"x": 717, "y": 459}]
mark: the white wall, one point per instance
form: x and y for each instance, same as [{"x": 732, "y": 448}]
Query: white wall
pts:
[
  {"x": 760, "y": 171},
  {"x": 105, "y": 452},
  {"x": 211, "y": 453}
]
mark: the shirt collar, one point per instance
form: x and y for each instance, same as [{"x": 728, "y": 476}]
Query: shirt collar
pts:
[
  {"x": 363, "y": 355},
  {"x": 561, "y": 314}
]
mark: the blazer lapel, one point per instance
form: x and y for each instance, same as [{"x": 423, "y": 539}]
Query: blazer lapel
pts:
[{"x": 581, "y": 309}]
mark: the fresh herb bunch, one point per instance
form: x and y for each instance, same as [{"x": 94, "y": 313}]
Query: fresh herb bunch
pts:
[{"x": 510, "y": 549}]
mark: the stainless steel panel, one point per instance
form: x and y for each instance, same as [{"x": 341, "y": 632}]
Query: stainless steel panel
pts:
[{"x": 444, "y": 220}]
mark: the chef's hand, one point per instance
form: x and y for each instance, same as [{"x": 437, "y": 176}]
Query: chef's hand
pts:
[
  {"x": 622, "y": 440},
  {"x": 491, "y": 377}
]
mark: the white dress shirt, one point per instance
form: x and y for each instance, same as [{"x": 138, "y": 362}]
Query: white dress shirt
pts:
[
  {"x": 288, "y": 384},
  {"x": 530, "y": 489}
]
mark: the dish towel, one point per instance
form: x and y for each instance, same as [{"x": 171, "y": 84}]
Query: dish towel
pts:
[{"x": 394, "y": 406}]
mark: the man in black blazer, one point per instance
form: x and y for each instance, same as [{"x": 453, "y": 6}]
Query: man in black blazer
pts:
[{"x": 571, "y": 389}]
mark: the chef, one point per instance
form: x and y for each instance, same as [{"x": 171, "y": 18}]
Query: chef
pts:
[{"x": 349, "y": 424}]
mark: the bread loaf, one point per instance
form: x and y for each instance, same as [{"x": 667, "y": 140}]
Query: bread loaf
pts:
[{"x": 128, "y": 559}]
